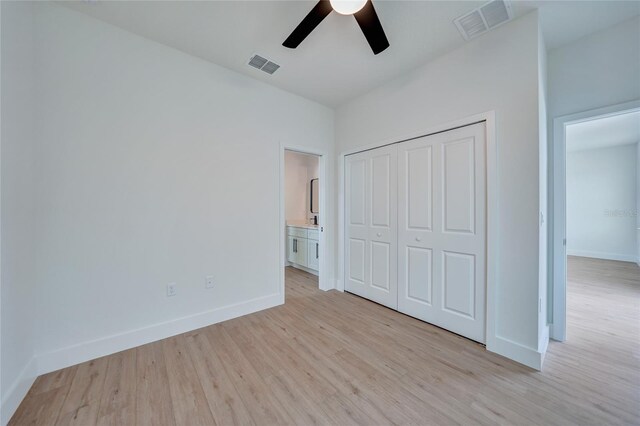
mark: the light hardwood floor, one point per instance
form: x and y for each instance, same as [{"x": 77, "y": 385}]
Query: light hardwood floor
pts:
[{"x": 333, "y": 358}]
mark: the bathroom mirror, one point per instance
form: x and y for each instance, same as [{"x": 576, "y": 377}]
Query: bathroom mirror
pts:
[{"x": 315, "y": 194}]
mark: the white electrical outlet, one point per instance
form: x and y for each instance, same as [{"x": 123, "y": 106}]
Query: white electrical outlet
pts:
[
  {"x": 209, "y": 282},
  {"x": 171, "y": 289}
]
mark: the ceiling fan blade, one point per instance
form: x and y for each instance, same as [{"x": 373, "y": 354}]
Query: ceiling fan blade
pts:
[
  {"x": 372, "y": 28},
  {"x": 313, "y": 18}
]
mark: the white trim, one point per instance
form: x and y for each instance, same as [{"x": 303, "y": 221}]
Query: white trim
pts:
[
  {"x": 492, "y": 230},
  {"x": 543, "y": 343},
  {"x": 324, "y": 282},
  {"x": 18, "y": 390},
  {"x": 304, "y": 268},
  {"x": 485, "y": 116},
  {"x": 557, "y": 197},
  {"x": 85, "y": 351},
  {"x": 603, "y": 255},
  {"x": 517, "y": 352},
  {"x": 341, "y": 223},
  {"x": 489, "y": 117}
]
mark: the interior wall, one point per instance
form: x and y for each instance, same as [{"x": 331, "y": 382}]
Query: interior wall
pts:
[
  {"x": 638, "y": 202},
  {"x": 18, "y": 290},
  {"x": 499, "y": 72},
  {"x": 599, "y": 70},
  {"x": 601, "y": 201},
  {"x": 153, "y": 167},
  {"x": 299, "y": 170}
]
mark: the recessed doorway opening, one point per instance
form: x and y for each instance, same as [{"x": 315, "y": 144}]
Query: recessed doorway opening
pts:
[
  {"x": 596, "y": 227},
  {"x": 302, "y": 215}
]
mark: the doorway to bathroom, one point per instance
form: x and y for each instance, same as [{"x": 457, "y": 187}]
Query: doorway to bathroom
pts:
[{"x": 303, "y": 222}]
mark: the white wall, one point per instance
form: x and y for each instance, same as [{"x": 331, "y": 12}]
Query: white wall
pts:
[
  {"x": 596, "y": 71},
  {"x": 299, "y": 170},
  {"x": 498, "y": 71},
  {"x": 150, "y": 166},
  {"x": 17, "y": 369},
  {"x": 601, "y": 201},
  {"x": 638, "y": 202}
]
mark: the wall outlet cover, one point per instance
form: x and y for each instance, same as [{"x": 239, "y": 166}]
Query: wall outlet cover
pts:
[
  {"x": 209, "y": 282},
  {"x": 171, "y": 289}
]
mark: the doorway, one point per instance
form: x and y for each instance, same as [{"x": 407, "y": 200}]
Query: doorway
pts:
[
  {"x": 302, "y": 221},
  {"x": 596, "y": 198}
]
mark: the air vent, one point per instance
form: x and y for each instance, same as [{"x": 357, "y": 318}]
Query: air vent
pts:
[
  {"x": 257, "y": 61},
  {"x": 270, "y": 67},
  {"x": 484, "y": 18},
  {"x": 263, "y": 64}
]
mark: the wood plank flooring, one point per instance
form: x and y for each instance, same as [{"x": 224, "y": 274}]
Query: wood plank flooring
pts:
[{"x": 333, "y": 358}]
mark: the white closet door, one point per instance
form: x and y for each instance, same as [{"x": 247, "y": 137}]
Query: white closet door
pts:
[
  {"x": 371, "y": 225},
  {"x": 441, "y": 230}
]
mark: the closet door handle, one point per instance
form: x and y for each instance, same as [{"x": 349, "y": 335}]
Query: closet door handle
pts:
[
  {"x": 379, "y": 234},
  {"x": 418, "y": 239},
  {"x": 316, "y": 250},
  {"x": 295, "y": 245}
]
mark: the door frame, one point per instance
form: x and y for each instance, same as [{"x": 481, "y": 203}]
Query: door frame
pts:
[
  {"x": 557, "y": 315},
  {"x": 489, "y": 118},
  {"x": 324, "y": 282}
]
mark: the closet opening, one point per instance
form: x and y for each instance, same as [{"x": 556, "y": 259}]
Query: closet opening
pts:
[{"x": 417, "y": 226}]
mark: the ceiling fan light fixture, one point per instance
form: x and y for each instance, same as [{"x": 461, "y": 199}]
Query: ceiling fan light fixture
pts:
[{"x": 347, "y": 7}]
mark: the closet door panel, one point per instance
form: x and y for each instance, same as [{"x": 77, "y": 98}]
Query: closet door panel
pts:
[
  {"x": 458, "y": 283},
  {"x": 381, "y": 191},
  {"x": 418, "y": 200},
  {"x": 371, "y": 225},
  {"x": 463, "y": 229},
  {"x": 419, "y": 275},
  {"x": 356, "y": 214},
  {"x": 383, "y": 229},
  {"x": 458, "y": 186},
  {"x": 442, "y": 212},
  {"x": 416, "y": 220}
]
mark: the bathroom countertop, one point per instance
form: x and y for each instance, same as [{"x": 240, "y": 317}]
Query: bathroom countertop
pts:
[{"x": 302, "y": 225}]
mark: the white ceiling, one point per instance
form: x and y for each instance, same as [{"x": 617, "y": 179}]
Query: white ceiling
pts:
[
  {"x": 623, "y": 129},
  {"x": 334, "y": 64}
]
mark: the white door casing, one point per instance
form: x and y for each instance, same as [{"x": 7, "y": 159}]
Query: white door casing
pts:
[{"x": 371, "y": 225}]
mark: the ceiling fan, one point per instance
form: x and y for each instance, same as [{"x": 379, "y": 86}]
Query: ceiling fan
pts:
[{"x": 362, "y": 10}]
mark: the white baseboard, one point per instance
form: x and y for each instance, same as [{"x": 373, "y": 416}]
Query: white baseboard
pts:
[
  {"x": 18, "y": 390},
  {"x": 304, "y": 268},
  {"x": 516, "y": 352},
  {"x": 603, "y": 255},
  {"x": 86, "y": 351},
  {"x": 543, "y": 344}
]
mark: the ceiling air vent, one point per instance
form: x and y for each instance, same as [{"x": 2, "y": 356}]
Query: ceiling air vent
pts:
[
  {"x": 263, "y": 64},
  {"x": 483, "y": 19},
  {"x": 257, "y": 61},
  {"x": 270, "y": 67}
]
